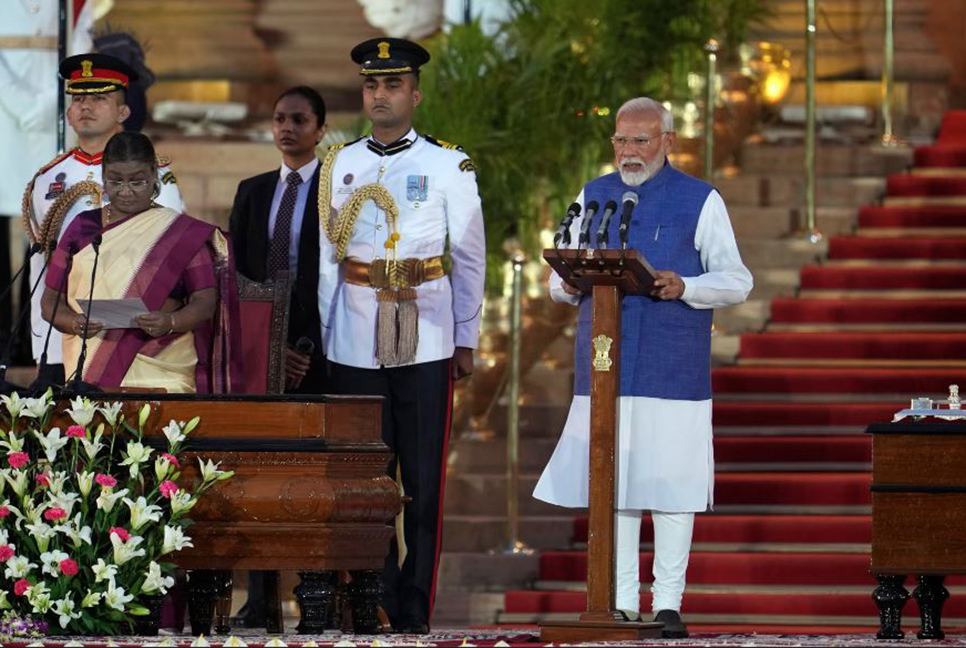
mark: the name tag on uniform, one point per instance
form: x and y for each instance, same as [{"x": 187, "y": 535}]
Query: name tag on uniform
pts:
[{"x": 417, "y": 188}]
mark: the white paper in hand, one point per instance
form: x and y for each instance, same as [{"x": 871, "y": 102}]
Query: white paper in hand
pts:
[{"x": 114, "y": 313}]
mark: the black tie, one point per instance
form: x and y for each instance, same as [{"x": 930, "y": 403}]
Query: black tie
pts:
[{"x": 278, "y": 254}]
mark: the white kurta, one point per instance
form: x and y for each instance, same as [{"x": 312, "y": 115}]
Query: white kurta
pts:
[
  {"x": 50, "y": 184},
  {"x": 665, "y": 456},
  {"x": 435, "y": 190}
]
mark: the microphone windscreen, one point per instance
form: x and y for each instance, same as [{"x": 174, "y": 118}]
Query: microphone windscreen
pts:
[
  {"x": 629, "y": 196},
  {"x": 593, "y": 206},
  {"x": 610, "y": 206},
  {"x": 72, "y": 249},
  {"x": 97, "y": 240}
]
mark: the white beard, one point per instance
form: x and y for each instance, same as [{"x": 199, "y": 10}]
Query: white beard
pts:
[{"x": 642, "y": 176}]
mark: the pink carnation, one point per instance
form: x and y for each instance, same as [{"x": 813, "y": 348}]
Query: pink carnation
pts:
[
  {"x": 77, "y": 431},
  {"x": 54, "y": 514},
  {"x": 42, "y": 479},
  {"x": 68, "y": 567},
  {"x": 121, "y": 533},
  {"x": 106, "y": 480},
  {"x": 18, "y": 459},
  {"x": 168, "y": 488},
  {"x": 4, "y": 512},
  {"x": 6, "y": 553},
  {"x": 171, "y": 459},
  {"x": 21, "y": 586}
]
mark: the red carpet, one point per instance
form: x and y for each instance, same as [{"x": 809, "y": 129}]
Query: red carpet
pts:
[
  {"x": 787, "y": 545},
  {"x": 866, "y": 247},
  {"x": 892, "y": 217},
  {"x": 951, "y": 277},
  {"x": 832, "y": 380},
  {"x": 899, "y": 346},
  {"x": 867, "y": 311}
]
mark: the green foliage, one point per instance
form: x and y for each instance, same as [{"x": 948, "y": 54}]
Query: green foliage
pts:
[{"x": 534, "y": 104}]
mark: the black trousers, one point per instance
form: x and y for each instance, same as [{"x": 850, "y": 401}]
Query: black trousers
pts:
[{"x": 415, "y": 426}]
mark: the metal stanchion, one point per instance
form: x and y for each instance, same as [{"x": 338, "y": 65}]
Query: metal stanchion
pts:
[
  {"x": 888, "y": 74},
  {"x": 513, "y": 543},
  {"x": 711, "y": 47},
  {"x": 811, "y": 227}
]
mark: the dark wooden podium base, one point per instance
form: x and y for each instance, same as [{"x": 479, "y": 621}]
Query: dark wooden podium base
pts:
[{"x": 585, "y": 630}]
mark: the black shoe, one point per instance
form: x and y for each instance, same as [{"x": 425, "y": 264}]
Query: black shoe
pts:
[
  {"x": 413, "y": 628},
  {"x": 674, "y": 627}
]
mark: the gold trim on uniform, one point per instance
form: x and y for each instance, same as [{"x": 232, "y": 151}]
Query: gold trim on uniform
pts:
[
  {"x": 400, "y": 70},
  {"x": 467, "y": 165}
]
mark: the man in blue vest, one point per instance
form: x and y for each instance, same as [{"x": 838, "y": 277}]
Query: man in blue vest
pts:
[{"x": 665, "y": 459}]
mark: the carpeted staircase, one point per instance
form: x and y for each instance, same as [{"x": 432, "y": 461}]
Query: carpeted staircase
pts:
[{"x": 881, "y": 319}]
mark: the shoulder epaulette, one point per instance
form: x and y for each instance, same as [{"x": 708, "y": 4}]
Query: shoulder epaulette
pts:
[
  {"x": 57, "y": 160},
  {"x": 442, "y": 144},
  {"x": 163, "y": 161},
  {"x": 342, "y": 145}
]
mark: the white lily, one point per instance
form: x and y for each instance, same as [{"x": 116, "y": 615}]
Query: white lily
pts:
[
  {"x": 17, "y": 480},
  {"x": 50, "y": 562},
  {"x": 12, "y": 443},
  {"x": 125, "y": 551},
  {"x": 136, "y": 454},
  {"x": 210, "y": 471},
  {"x": 12, "y": 403},
  {"x": 37, "y": 407},
  {"x": 18, "y": 567},
  {"x": 115, "y": 597},
  {"x": 4, "y": 537},
  {"x": 39, "y": 597},
  {"x": 57, "y": 480},
  {"x": 93, "y": 446},
  {"x": 65, "y": 500},
  {"x": 85, "y": 482},
  {"x": 142, "y": 512},
  {"x": 182, "y": 501},
  {"x": 143, "y": 415},
  {"x": 110, "y": 412},
  {"x": 107, "y": 499},
  {"x": 173, "y": 433},
  {"x": 154, "y": 581},
  {"x": 82, "y": 411},
  {"x": 91, "y": 599},
  {"x": 52, "y": 442},
  {"x": 174, "y": 540},
  {"x": 78, "y": 534},
  {"x": 42, "y": 534},
  {"x": 64, "y": 609},
  {"x": 103, "y": 571},
  {"x": 162, "y": 468}
]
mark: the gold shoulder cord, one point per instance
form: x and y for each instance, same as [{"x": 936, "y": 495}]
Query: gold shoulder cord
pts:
[
  {"x": 50, "y": 227},
  {"x": 339, "y": 229}
]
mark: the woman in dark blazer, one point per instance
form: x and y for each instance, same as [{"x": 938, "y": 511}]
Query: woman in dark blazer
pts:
[{"x": 275, "y": 227}]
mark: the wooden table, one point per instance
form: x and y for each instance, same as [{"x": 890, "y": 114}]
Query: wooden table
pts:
[
  {"x": 918, "y": 518},
  {"x": 310, "y": 494}
]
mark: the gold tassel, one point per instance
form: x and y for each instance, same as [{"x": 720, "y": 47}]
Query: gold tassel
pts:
[
  {"x": 386, "y": 326},
  {"x": 408, "y": 316}
]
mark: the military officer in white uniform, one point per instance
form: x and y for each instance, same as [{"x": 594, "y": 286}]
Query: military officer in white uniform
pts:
[
  {"x": 71, "y": 183},
  {"x": 394, "y": 323}
]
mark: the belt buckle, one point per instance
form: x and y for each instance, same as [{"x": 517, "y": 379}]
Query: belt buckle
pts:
[{"x": 377, "y": 274}]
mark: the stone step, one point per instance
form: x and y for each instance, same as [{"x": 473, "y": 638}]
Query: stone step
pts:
[
  {"x": 831, "y": 160},
  {"x": 761, "y": 253},
  {"x": 750, "y": 316},
  {"x": 769, "y": 190},
  {"x": 781, "y": 221},
  {"x": 484, "y": 533}
]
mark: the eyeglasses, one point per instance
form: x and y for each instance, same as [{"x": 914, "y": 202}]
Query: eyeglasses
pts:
[
  {"x": 620, "y": 141},
  {"x": 134, "y": 185}
]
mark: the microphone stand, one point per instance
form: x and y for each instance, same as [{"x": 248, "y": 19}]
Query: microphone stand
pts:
[
  {"x": 77, "y": 385},
  {"x": 5, "y": 387},
  {"x": 41, "y": 384}
]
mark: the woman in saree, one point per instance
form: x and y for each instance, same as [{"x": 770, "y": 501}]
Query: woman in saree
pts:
[{"x": 178, "y": 266}]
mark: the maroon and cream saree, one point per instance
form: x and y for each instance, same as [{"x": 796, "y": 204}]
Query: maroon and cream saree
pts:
[{"x": 156, "y": 255}]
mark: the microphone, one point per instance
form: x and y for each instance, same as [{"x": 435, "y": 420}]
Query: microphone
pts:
[
  {"x": 602, "y": 234},
  {"x": 42, "y": 382},
  {"x": 32, "y": 250},
  {"x": 305, "y": 346},
  {"x": 589, "y": 213},
  {"x": 630, "y": 202},
  {"x": 563, "y": 231},
  {"x": 24, "y": 310},
  {"x": 77, "y": 385}
]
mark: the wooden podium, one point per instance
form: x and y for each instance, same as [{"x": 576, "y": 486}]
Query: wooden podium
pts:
[{"x": 608, "y": 275}]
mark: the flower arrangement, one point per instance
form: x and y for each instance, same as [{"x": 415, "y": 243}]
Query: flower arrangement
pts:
[{"x": 90, "y": 515}]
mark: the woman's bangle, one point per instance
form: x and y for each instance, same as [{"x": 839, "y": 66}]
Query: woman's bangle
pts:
[{"x": 171, "y": 330}]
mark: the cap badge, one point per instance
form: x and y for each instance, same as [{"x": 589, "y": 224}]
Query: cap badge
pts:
[
  {"x": 383, "y": 49},
  {"x": 86, "y": 68}
]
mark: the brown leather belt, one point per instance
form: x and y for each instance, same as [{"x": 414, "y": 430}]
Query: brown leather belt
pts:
[{"x": 409, "y": 272}]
